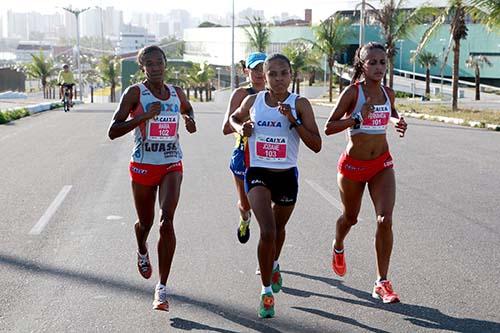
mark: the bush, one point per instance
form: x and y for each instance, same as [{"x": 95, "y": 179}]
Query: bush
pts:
[{"x": 6, "y": 116}]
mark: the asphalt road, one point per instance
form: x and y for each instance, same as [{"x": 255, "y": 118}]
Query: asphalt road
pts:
[{"x": 67, "y": 247}]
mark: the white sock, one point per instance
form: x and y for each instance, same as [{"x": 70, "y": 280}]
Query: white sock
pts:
[
  {"x": 266, "y": 290},
  {"x": 161, "y": 286},
  {"x": 275, "y": 264},
  {"x": 143, "y": 256},
  {"x": 247, "y": 220},
  {"x": 338, "y": 251}
]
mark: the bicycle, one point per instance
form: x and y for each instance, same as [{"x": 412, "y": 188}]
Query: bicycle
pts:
[{"x": 66, "y": 101}]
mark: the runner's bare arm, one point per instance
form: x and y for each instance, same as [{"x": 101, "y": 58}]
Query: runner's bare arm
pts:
[
  {"x": 186, "y": 111},
  {"x": 398, "y": 121},
  {"x": 308, "y": 131},
  {"x": 119, "y": 124},
  {"x": 235, "y": 101},
  {"x": 240, "y": 119},
  {"x": 337, "y": 122}
]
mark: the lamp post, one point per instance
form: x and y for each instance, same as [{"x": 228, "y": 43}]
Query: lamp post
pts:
[
  {"x": 414, "y": 60},
  {"x": 232, "y": 52},
  {"x": 77, "y": 13},
  {"x": 400, "y": 53},
  {"x": 218, "y": 77},
  {"x": 442, "y": 40}
]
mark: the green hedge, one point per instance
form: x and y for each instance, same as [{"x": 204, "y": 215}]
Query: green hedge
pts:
[{"x": 8, "y": 115}]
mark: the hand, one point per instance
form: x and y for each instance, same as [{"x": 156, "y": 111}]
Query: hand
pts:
[
  {"x": 367, "y": 108},
  {"x": 154, "y": 110},
  {"x": 286, "y": 110},
  {"x": 401, "y": 127},
  {"x": 190, "y": 124},
  {"x": 247, "y": 128}
]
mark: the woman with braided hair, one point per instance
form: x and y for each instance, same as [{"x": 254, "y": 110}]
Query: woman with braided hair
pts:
[{"x": 364, "y": 109}]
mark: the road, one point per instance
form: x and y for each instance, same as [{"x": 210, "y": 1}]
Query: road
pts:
[{"x": 67, "y": 248}]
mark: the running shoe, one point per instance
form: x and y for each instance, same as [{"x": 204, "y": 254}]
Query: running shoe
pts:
[
  {"x": 383, "y": 290},
  {"x": 276, "y": 280},
  {"x": 266, "y": 309},
  {"x": 244, "y": 230},
  {"x": 160, "y": 302},
  {"x": 144, "y": 265},
  {"x": 338, "y": 263}
]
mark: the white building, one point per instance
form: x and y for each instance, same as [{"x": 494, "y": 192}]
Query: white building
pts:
[
  {"x": 133, "y": 41},
  {"x": 26, "y": 48}
]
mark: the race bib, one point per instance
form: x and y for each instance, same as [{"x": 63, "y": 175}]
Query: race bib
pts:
[
  {"x": 163, "y": 128},
  {"x": 378, "y": 119},
  {"x": 270, "y": 149}
]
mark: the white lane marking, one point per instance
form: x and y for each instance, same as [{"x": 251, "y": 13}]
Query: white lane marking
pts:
[
  {"x": 324, "y": 193},
  {"x": 44, "y": 220},
  {"x": 113, "y": 217}
]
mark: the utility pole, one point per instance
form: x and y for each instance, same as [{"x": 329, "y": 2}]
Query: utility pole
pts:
[
  {"x": 77, "y": 13},
  {"x": 362, "y": 23},
  {"x": 232, "y": 52}
]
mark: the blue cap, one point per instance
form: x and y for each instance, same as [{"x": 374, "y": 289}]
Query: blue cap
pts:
[{"x": 255, "y": 58}]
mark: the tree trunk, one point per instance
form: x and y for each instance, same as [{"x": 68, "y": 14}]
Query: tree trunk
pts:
[
  {"x": 112, "y": 95},
  {"x": 312, "y": 75},
  {"x": 341, "y": 86},
  {"x": 201, "y": 93},
  {"x": 195, "y": 92},
  {"x": 427, "y": 82},
  {"x": 294, "y": 80},
  {"x": 478, "y": 83},
  {"x": 330, "y": 84},
  {"x": 187, "y": 92},
  {"x": 298, "y": 86},
  {"x": 454, "y": 88}
]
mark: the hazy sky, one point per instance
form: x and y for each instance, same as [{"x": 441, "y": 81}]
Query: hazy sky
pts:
[{"x": 320, "y": 8}]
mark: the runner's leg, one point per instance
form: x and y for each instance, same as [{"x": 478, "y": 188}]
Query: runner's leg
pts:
[{"x": 144, "y": 199}]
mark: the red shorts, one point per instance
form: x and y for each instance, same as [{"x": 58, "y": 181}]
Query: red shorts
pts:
[
  {"x": 150, "y": 174},
  {"x": 363, "y": 171}
]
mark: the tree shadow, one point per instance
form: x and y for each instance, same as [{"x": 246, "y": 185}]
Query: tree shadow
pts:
[
  {"x": 418, "y": 315},
  {"x": 188, "y": 325}
]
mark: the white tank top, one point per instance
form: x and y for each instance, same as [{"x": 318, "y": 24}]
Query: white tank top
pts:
[
  {"x": 376, "y": 122},
  {"x": 273, "y": 144},
  {"x": 156, "y": 141}
]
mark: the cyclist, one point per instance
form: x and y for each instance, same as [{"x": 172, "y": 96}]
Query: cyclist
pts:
[
  {"x": 153, "y": 110},
  {"x": 253, "y": 67},
  {"x": 65, "y": 79}
]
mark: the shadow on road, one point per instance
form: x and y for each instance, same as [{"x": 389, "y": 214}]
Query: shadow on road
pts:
[
  {"x": 228, "y": 312},
  {"x": 417, "y": 314},
  {"x": 188, "y": 325}
]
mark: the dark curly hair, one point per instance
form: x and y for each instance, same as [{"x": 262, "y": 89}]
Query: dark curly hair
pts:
[
  {"x": 360, "y": 57},
  {"x": 147, "y": 50}
]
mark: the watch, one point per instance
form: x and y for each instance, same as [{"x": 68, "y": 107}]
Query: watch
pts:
[
  {"x": 358, "y": 119},
  {"x": 298, "y": 122}
]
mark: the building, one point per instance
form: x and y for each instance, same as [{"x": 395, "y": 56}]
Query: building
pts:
[
  {"x": 133, "y": 41},
  {"x": 26, "y": 48}
]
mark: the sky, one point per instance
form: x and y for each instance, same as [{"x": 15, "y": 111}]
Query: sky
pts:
[{"x": 320, "y": 8}]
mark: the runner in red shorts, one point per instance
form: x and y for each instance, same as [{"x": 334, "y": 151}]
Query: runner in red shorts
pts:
[
  {"x": 365, "y": 109},
  {"x": 154, "y": 109}
]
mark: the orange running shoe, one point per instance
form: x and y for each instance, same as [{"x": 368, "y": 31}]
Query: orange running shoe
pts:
[
  {"x": 160, "y": 302},
  {"x": 144, "y": 265},
  {"x": 383, "y": 290},
  {"x": 266, "y": 309},
  {"x": 338, "y": 263}
]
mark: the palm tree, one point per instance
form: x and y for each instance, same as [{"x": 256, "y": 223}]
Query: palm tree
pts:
[
  {"x": 296, "y": 52},
  {"x": 492, "y": 10},
  {"x": 477, "y": 62},
  {"x": 427, "y": 60},
  {"x": 331, "y": 38},
  {"x": 109, "y": 71},
  {"x": 259, "y": 36},
  {"x": 456, "y": 11},
  {"x": 396, "y": 24},
  {"x": 40, "y": 68}
]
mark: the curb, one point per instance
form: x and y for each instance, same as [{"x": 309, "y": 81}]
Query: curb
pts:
[
  {"x": 449, "y": 120},
  {"x": 36, "y": 108}
]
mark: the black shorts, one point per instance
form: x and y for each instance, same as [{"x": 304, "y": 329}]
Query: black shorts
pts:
[
  {"x": 69, "y": 85},
  {"x": 283, "y": 185}
]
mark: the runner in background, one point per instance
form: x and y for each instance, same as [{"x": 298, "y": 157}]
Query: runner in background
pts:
[{"x": 254, "y": 69}]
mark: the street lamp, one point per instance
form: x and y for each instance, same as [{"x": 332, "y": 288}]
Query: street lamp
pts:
[
  {"x": 400, "y": 53},
  {"x": 218, "y": 77},
  {"x": 414, "y": 60},
  {"x": 232, "y": 52},
  {"x": 77, "y": 13},
  {"x": 442, "y": 40},
  {"x": 362, "y": 12}
]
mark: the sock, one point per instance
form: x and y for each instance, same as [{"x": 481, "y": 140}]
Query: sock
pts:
[
  {"x": 247, "y": 220},
  {"x": 161, "y": 286},
  {"x": 266, "y": 290},
  {"x": 275, "y": 264},
  {"x": 143, "y": 256},
  {"x": 379, "y": 280},
  {"x": 338, "y": 251}
]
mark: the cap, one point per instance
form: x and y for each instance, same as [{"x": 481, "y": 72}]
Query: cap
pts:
[{"x": 255, "y": 58}]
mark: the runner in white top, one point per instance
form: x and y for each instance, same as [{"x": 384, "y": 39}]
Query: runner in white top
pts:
[
  {"x": 153, "y": 110},
  {"x": 274, "y": 121}
]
